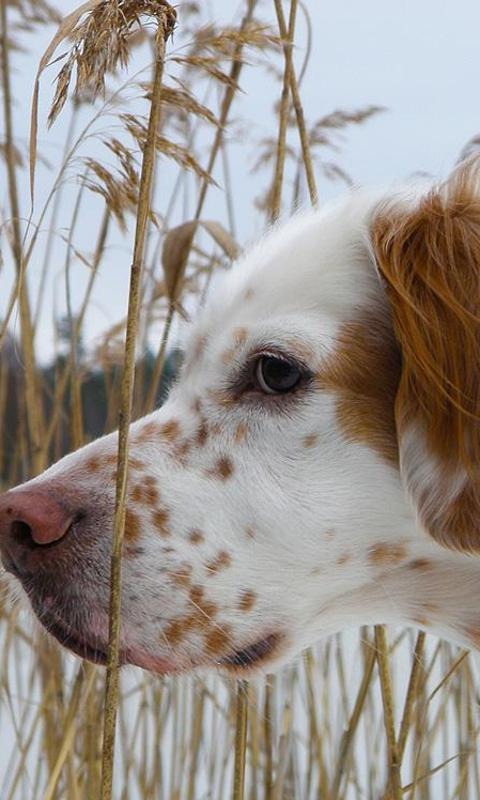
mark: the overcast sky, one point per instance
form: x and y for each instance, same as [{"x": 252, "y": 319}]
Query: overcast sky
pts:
[{"x": 420, "y": 60}]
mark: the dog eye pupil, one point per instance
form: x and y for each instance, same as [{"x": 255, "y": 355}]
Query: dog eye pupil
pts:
[{"x": 276, "y": 375}]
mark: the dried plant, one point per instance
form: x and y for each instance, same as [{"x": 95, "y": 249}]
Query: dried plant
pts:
[{"x": 361, "y": 715}]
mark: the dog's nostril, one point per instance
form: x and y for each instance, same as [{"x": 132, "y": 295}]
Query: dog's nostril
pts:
[
  {"x": 21, "y": 531},
  {"x": 22, "y": 534}
]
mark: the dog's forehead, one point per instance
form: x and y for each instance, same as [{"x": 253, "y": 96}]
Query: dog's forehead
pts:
[{"x": 319, "y": 262}]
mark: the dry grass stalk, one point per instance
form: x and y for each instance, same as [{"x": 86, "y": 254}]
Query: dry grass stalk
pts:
[
  {"x": 268, "y": 736},
  {"x": 241, "y": 723},
  {"x": 298, "y": 107},
  {"x": 348, "y": 736},
  {"x": 34, "y": 416},
  {"x": 388, "y": 712},
  {"x": 59, "y": 752},
  {"x": 415, "y": 676},
  {"x": 276, "y": 194},
  {"x": 165, "y": 26},
  {"x": 230, "y": 91}
]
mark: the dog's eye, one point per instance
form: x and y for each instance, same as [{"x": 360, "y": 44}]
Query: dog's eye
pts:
[{"x": 276, "y": 375}]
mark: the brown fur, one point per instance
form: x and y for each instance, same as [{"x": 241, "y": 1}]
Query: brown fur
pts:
[
  {"x": 221, "y": 561},
  {"x": 247, "y": 600},
  {"x": 161, "y": 518},
  {"x": 132, "y": 526},
  {"x": 217, "y": 641},
  {"x": 429, "y": 257},
  {"x": 363, "y": 372},
  {"x": 196, "y": 536},
  {"x": 223, "y": 468},
  {"x": 385, "y": 553}
]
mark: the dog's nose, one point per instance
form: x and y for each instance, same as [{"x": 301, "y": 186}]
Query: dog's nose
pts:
[{"x": 32, "y": 517}]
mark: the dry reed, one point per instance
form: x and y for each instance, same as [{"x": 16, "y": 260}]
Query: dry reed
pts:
[{"x": 149, "y": 154}]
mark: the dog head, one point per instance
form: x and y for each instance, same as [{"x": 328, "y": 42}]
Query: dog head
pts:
[{"x": 310, "y": 468}]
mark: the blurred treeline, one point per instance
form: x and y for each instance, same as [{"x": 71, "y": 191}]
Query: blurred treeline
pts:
[{"x": 99, "y": 392}]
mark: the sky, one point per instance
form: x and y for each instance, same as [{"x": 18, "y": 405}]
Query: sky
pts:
[{"x": 419, "y": 60}]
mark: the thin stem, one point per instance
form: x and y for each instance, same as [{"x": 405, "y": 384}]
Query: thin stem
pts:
[
  {"x": 276, "y": 196},
  {"x": 297, "y": 105},
  {"x": 148, "y": 162},
  {"x": 34, "y": 415},
  {"x": 217, "y": 142},
  {"x": 241, "y": 720},
  {"x": 388, "y": 714}
]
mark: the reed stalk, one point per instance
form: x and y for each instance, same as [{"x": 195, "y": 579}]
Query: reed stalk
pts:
[{"x": 148, "y": 161}]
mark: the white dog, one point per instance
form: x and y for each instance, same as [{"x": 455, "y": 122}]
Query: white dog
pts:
[{"x": 315, "y": 466}]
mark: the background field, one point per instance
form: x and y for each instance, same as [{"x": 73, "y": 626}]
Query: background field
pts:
[{"x": 382, "y": 93}]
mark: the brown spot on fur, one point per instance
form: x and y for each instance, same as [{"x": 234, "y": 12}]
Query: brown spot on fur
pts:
[
  {"x": 223, "y": 468},
  {"x": 161, "y": 517},
  {"x": 221, "y": 561},
  {"x": 241, "y": 432},
  {"x": 247, "y": 600},
  {"x": 330, "y": 534},
  {"x": 175, "y": 631},
  {"x": 310, "y": 440},
  {"x": 132, "y": 526},
  {"x": 93, "y": 464},
  {"x": 201, "y": 435},
  {"x": 196, "y": 594},
  {"x": 343, "y": 559},
  {"x": 197, "y": 405},
  {"x": 420, "y": 564},
  {"x": 181, "y": 576},
  {"x": 248, "y": 293},
  {"x": 148, "y": 432},
  {"x": 145, "y": 493},
  {"x": 196, "y": 536},
  {"x": 132, "y": 551},
  {"x": 112, "y": 459},
  {"x": 170, "y": 430},
  {"x": 217, "y": 641},
  {"x": 385, "y": 553},
  {"x": 204, "y": 608},
  {"x": 181, "y": 451},
  {"x": 250, "y": 532}
]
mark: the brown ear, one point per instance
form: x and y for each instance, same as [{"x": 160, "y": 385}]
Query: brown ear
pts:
[{"x": 428, "y": 253}]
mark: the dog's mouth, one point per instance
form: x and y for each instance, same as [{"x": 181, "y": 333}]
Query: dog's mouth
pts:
[
  {"x": 252, "y": 656},
  {"x": 239, "y": 662},
  {"x": 76, "y": 643},
  {"x": 86, "y": 642}
]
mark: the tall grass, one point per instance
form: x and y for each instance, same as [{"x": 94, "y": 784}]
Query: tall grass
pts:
[{"x": 140, "y": 150}]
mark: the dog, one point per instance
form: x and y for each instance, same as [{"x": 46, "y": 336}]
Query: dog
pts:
[{"x": 315, "y": 465}]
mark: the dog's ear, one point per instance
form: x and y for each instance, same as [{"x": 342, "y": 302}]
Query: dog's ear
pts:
[{"x": 428, "y": 254}]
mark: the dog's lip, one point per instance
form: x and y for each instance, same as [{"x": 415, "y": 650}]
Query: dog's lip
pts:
[
  {"x": 74, "y": 642},
  {"x": 252, "y": 655},
  {"x": 82, "y": 645}
]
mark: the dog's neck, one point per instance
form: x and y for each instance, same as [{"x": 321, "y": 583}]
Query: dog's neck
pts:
[{"x": 436, "y": 590}]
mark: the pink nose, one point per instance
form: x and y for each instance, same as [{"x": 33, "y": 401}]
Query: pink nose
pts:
[{"x": 34, "y": 514}]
